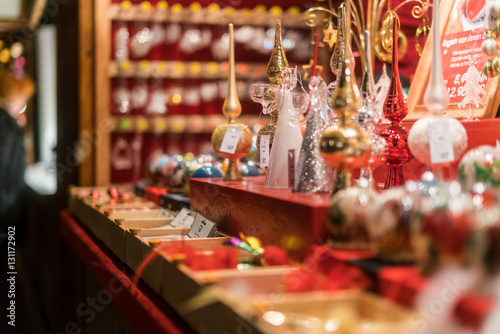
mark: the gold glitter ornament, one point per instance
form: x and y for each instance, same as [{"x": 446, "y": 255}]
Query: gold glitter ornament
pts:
[
  {"x": 275, "y": 67},
  {"x": 278, "y": 59}
]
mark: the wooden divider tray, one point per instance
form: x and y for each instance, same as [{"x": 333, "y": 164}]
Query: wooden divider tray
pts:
[{"x": 342, "y": 312}]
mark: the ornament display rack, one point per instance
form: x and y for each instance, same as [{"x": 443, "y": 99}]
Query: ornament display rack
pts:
[
  {"x": 210, "y": 15},
  {"x": 100, "y": 73}
]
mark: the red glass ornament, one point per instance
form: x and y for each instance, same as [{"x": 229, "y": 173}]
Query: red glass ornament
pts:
[{"x": 395, "y": 109}]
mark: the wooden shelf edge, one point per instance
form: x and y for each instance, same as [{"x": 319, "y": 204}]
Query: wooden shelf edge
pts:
[{"x": 204, "y": 16}]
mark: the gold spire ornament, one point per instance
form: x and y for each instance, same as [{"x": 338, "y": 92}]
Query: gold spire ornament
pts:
[
  {"x": 345, "y": 145},
  {"x": 275, "y": 67},
  {"x": 232, "y": 140},
  {"x": 278, "y": 59}
]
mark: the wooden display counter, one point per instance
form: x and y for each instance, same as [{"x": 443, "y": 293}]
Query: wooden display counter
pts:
[
  {"x": 294, "y": 221},
  {"x": 107, "y": 235}
]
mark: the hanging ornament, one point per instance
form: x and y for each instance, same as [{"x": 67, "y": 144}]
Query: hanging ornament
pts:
[
  {"x": 140, "y": 94},
  {"x": 313, "y": 67},
  {"x": 122, "y": 155},
  {"x": 330, "y": 34},
  {"x": 309, "y": 69},
  {"x": 142, "y": 42},
  {"x": 422, "y": 30},
  {"x": 121, "y": 96},
  {"x": 158, "y": 102},
  {"x": 173, "y": 33},
  {"x": 287, "y": 139},
  {"x": 386, "y": 38},
  {"x": 121, "y": 40}
]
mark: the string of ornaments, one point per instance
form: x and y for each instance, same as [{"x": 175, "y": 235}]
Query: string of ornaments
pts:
[{"x": 490, "y": 45}]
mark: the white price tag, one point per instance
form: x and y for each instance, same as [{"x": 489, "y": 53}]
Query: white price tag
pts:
[
  {"x": 184, "y": 218},
  {"x": 264, "y": 150},
  {"x": 202, "y": 228},
  {"x": 231, "y": 139},
  {"x": 440, "y": 141},
  {"x": 165, "y": 213}
]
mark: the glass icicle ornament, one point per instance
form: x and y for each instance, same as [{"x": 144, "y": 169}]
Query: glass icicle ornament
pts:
[
  {"x": 368, "y": 117},
  {"x": 312, "y": 174},
  {"x": 232, "y": 109},
  {"x": 287, "y": 138},
  {"x": 342, "y": 48},
  {"x": 395, "y": 109},
  {"x": 275, "y": 67}
]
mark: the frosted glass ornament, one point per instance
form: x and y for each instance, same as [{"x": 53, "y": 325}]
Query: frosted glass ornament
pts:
[{"x": 287, "y": 137}]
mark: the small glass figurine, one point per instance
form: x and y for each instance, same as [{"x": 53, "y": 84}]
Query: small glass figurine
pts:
[
  {"x": 287, "y": 138},
  {"x": 313, "y": 175},
  {"x": 472, "y": 87}
]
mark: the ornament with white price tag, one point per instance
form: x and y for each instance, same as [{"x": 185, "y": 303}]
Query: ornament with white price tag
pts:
[
  {"x": 440, "y": 142},
  {"x": 264, "y": 150},
  {"x": 231, "y": 139}
]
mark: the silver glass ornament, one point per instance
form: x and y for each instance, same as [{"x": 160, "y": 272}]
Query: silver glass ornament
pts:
[{"x": 312, "y": 174}]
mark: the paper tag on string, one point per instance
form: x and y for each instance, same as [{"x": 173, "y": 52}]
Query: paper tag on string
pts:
[
  {"x": 184, "y": 218},
  {"x": 264, "y": 150},
  {"x": 291, "y": 168},
  {"x": 202, "y": 228},
  {"x": 440, "y": 142},
  {"x": 231, "y": 139}
]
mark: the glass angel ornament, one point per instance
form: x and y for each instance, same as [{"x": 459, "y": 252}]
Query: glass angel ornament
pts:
[
  {"x": 313, "y": 175},
  {"x": 275, "y": 67},
  {"x": 287, "y": 138}
]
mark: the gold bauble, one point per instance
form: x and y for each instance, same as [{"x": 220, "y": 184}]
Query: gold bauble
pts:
[
  {"x": 345, "y": 145},
  {"x": 244, "y": 143}
]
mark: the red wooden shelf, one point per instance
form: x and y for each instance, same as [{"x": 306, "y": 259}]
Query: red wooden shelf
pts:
[{"x": 276, "y": 216}]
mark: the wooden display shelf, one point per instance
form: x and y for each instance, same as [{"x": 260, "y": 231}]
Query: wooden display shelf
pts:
[
  {"x": 294, "y": 221},
  {"x": 162, "y": 273},
  {"x": 176, "y": 69},
  {"x": 204, "y": 15},
  {"x": 176, "y": 123},
  {"x": 237, "y": 287}
]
